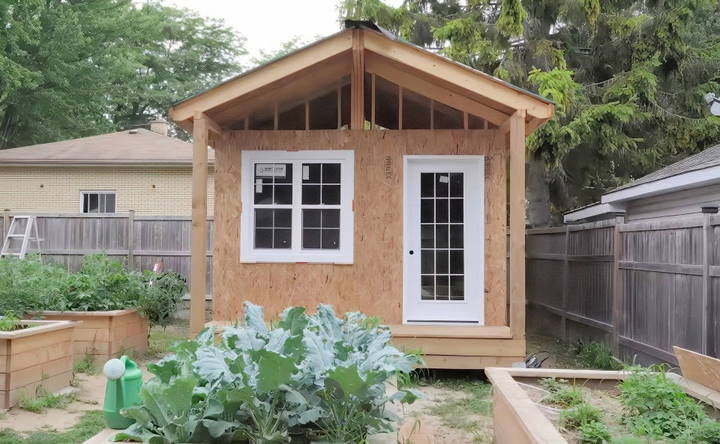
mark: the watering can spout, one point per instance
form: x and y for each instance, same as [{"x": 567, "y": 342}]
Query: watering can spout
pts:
[{"x": 124, "y": 381}]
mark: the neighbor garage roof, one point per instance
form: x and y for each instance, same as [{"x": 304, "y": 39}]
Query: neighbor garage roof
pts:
[{"x": 130, "y": 147}]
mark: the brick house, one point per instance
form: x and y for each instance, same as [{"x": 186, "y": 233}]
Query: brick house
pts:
[{"x": 138, "y": 169}]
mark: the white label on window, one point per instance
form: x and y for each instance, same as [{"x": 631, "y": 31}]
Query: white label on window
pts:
[
  {"x": 306, "y": 172},
  {"x": 444, "y": 179},
  {"x": 270, "y": 169},
  {"x": 258, "y": 185}
]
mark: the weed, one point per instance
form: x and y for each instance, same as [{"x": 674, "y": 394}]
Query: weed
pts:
[
  {"x": 44, "y": 400},
  {"x": 706, "y": 431},
  {"x": 595, "y": 355},
  {"x": 656, "y": 406},
  {"x": 457, "y": 413},
  {"x": 580, "y": 415},
  {"x": 561, "y": 394},
  {"x": 10, "y": 322},
  {"x": 86, "y": 365},
  {"x": 594, "y": 432},
  {"x": 91, "y": 423},
  {"x": 162, "y": 339}
]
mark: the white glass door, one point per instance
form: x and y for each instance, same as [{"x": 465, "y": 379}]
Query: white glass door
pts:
[{"x": 443, "y": 239}]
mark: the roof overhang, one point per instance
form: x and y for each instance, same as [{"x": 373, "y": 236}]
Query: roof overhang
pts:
[
  {"x": 324, "y": 62},
  {"x": 691, "y": 179},
  {"x": 594, "y": 211}
]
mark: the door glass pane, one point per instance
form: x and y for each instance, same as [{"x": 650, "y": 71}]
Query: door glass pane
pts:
[{"x": 442, "y": 258}]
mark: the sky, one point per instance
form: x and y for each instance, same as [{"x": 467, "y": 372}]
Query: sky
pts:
[{"x": 268, "y": 24}]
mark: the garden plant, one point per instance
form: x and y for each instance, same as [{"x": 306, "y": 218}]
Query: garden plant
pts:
[{"x": 308, "y": 378}]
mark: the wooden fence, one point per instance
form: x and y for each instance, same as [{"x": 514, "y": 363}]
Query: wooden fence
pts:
[
  {"x": 140, "y": 240},
  {"x": 642, "y": 287}
]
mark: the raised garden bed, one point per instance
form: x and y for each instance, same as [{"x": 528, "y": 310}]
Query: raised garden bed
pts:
[
  {"x": 104, "y": 334},
  {"x": 521, "y": 416},
  {"x": 38, "y": 355}
]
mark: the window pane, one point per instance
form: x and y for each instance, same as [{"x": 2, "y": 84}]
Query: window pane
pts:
[
  {"x": 456, "y": 236},
  {"x": 263, "y": 191},
  {"x": 330, "y": 239},
  {"x": 263, "y": 218},
  {"x": 93, "y": 203},
  {"x": 427, "y": 236},
  {"x": 263, "y": 238},
  {"x": 86, "y": 203},
  {"x": 110, "y": 203},
  {"x": 311, "y": 238},
  {"x": 331, "y": 173},
  {"x": 456, "y": 262},
  {"x": 311, "y": 194},
  {"x": 283, "y": 218},
  {"x": 427, "y": 184},
  {"x": 282, "y": 239},
  {"x": 442, "y": 184},
  {"x": 442, "y": 284},
  {"x": 441, "y": 261},
  {"x": 457, "y": 288},
  {"x": 456, "y": 210},
  {"x": 331, "y": 194},
  {"x": 441, "y": 210},
  {"x": 311, "y": 173},
  {"x": 441, "y": 236},
  {"x": 427, "y": 210},
  {"x": 283, "y": 194},
  {"x": 427, "y": 261},
  {"x": 287, "y": 178},
  {"x": 311, "y": 218},
  {"x": 427, "y": 290},
  {"x": 456, "y": 185},
  {"x": 331, "y": 218}
]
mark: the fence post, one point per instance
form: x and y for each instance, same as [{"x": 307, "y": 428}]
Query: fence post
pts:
[
  {"x": 131, "y": 239},
  {"x": 617, "y": 290},
  {"x": 706, "y": 320},
  {"x": 565, "y": 280},
  {"x": 6, "y": 225}
]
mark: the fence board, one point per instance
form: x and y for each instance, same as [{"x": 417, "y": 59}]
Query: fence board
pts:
[{"x": 657, "y": 290}]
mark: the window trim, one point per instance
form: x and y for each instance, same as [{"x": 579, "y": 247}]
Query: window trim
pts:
[
  {"x": 344, "y": 255},
  {"x": 84, "y": 193}
]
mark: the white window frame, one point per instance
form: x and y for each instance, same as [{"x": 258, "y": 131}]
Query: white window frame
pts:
[
  {"x": 98, "y": 192},
  {"x": 250, "y": 254}
]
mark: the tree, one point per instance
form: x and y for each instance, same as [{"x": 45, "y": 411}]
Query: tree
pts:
[
  {"x": 627, "y": 77},
  {"x": 82, "y": 67}
]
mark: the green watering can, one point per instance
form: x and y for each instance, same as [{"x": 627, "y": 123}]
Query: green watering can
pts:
[{"x": 122, "y": 390}]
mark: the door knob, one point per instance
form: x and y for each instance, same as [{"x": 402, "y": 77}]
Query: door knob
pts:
[{"x": 412, "y": 252}]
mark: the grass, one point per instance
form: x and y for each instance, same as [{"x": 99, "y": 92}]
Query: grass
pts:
[
  {"x": 44, "y": 400},
  {"x": 91, "y": 423},
  {"x": 463, "y": 413},
  {"x": 86, "y": 365}
]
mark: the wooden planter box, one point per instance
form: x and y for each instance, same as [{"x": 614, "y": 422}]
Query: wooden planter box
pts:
[
  {"x": 518, "y": 420},
  {"x": 104, "y": 334},
  {"x": 41, "y": 355}
]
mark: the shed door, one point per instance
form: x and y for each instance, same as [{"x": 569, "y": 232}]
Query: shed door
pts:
[{"x": 443, "y": 239}]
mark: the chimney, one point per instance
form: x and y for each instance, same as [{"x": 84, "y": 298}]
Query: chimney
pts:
[{"x": 159, "y": 126}]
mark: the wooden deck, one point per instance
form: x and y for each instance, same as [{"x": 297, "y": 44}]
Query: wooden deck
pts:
[{"x": 460, "y": 347}]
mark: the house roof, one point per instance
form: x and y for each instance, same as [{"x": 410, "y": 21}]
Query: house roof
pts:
[
  {"x": 129, "y": 147},
  {"x": 324, "y": 63}
]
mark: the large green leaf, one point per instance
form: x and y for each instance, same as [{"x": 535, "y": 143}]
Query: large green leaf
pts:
[
  {"x": 274, "y": 371},
  {"x": 349, "y": 380},
  {"x": 294, "y": 320},
  {"x": 254, "y": 317},
  {"x": 178, "y": 394}
]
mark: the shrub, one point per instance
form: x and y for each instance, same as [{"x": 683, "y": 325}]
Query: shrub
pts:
[
  {"x": 310, "y": 372},
  {"x": 656, "y": 406},
  {"x": 28, "y": 285},
  {"x": 580, "y": 415},
  {"x": 163, "y": 293}
]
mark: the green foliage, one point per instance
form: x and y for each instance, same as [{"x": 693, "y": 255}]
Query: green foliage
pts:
[
  {"x": 9, "y": 322},
  {"x": 462, "y": 413},
  {"x": 44, "y": 400},
  {"x": 86, "y": 365},
  {"x": 703, "y": 431},
  {"x": 73, "y": 69},
  {"x": 579, "y": 415},
  {"x": 656, "y": 406},
  {"x": 91, "y": 423},
  {"x": 561, "y": 394},
  {"x": 512, "y": 16},
  {"x": 595, "y": 355},
  {"x": 27, "y": 285},
  {"x": 161, "y": 296},
  {"x": 594, "y": 432},
  {"x": 310, "y": 372}
]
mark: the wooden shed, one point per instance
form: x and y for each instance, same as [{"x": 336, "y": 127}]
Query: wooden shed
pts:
[{"x": 367, "y": 173}]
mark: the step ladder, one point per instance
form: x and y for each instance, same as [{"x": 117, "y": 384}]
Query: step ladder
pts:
[{"x": 22, "y": 234}]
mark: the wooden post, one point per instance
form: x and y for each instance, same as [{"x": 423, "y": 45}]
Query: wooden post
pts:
[
  {"x": 707, "y": 309},
  {"x": 198, "y": 248},
  {"x": 357, "y": 82},
  {"x": 565, "y": 279},
  {"x": 131, "y": 240},
  {"x": 517, "y": 224},
  {"x": 617, "y": 290}
]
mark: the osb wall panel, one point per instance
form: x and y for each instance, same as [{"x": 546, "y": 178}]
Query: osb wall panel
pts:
[{"x": 373, "y": 283}]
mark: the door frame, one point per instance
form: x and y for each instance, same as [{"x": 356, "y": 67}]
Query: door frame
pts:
[{"x": 478, "y": 320}]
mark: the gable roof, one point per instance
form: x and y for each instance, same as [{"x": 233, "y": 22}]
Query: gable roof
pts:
[
  {"x": 323, "y": 63},
  {"x": 129, "y": 147}
]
